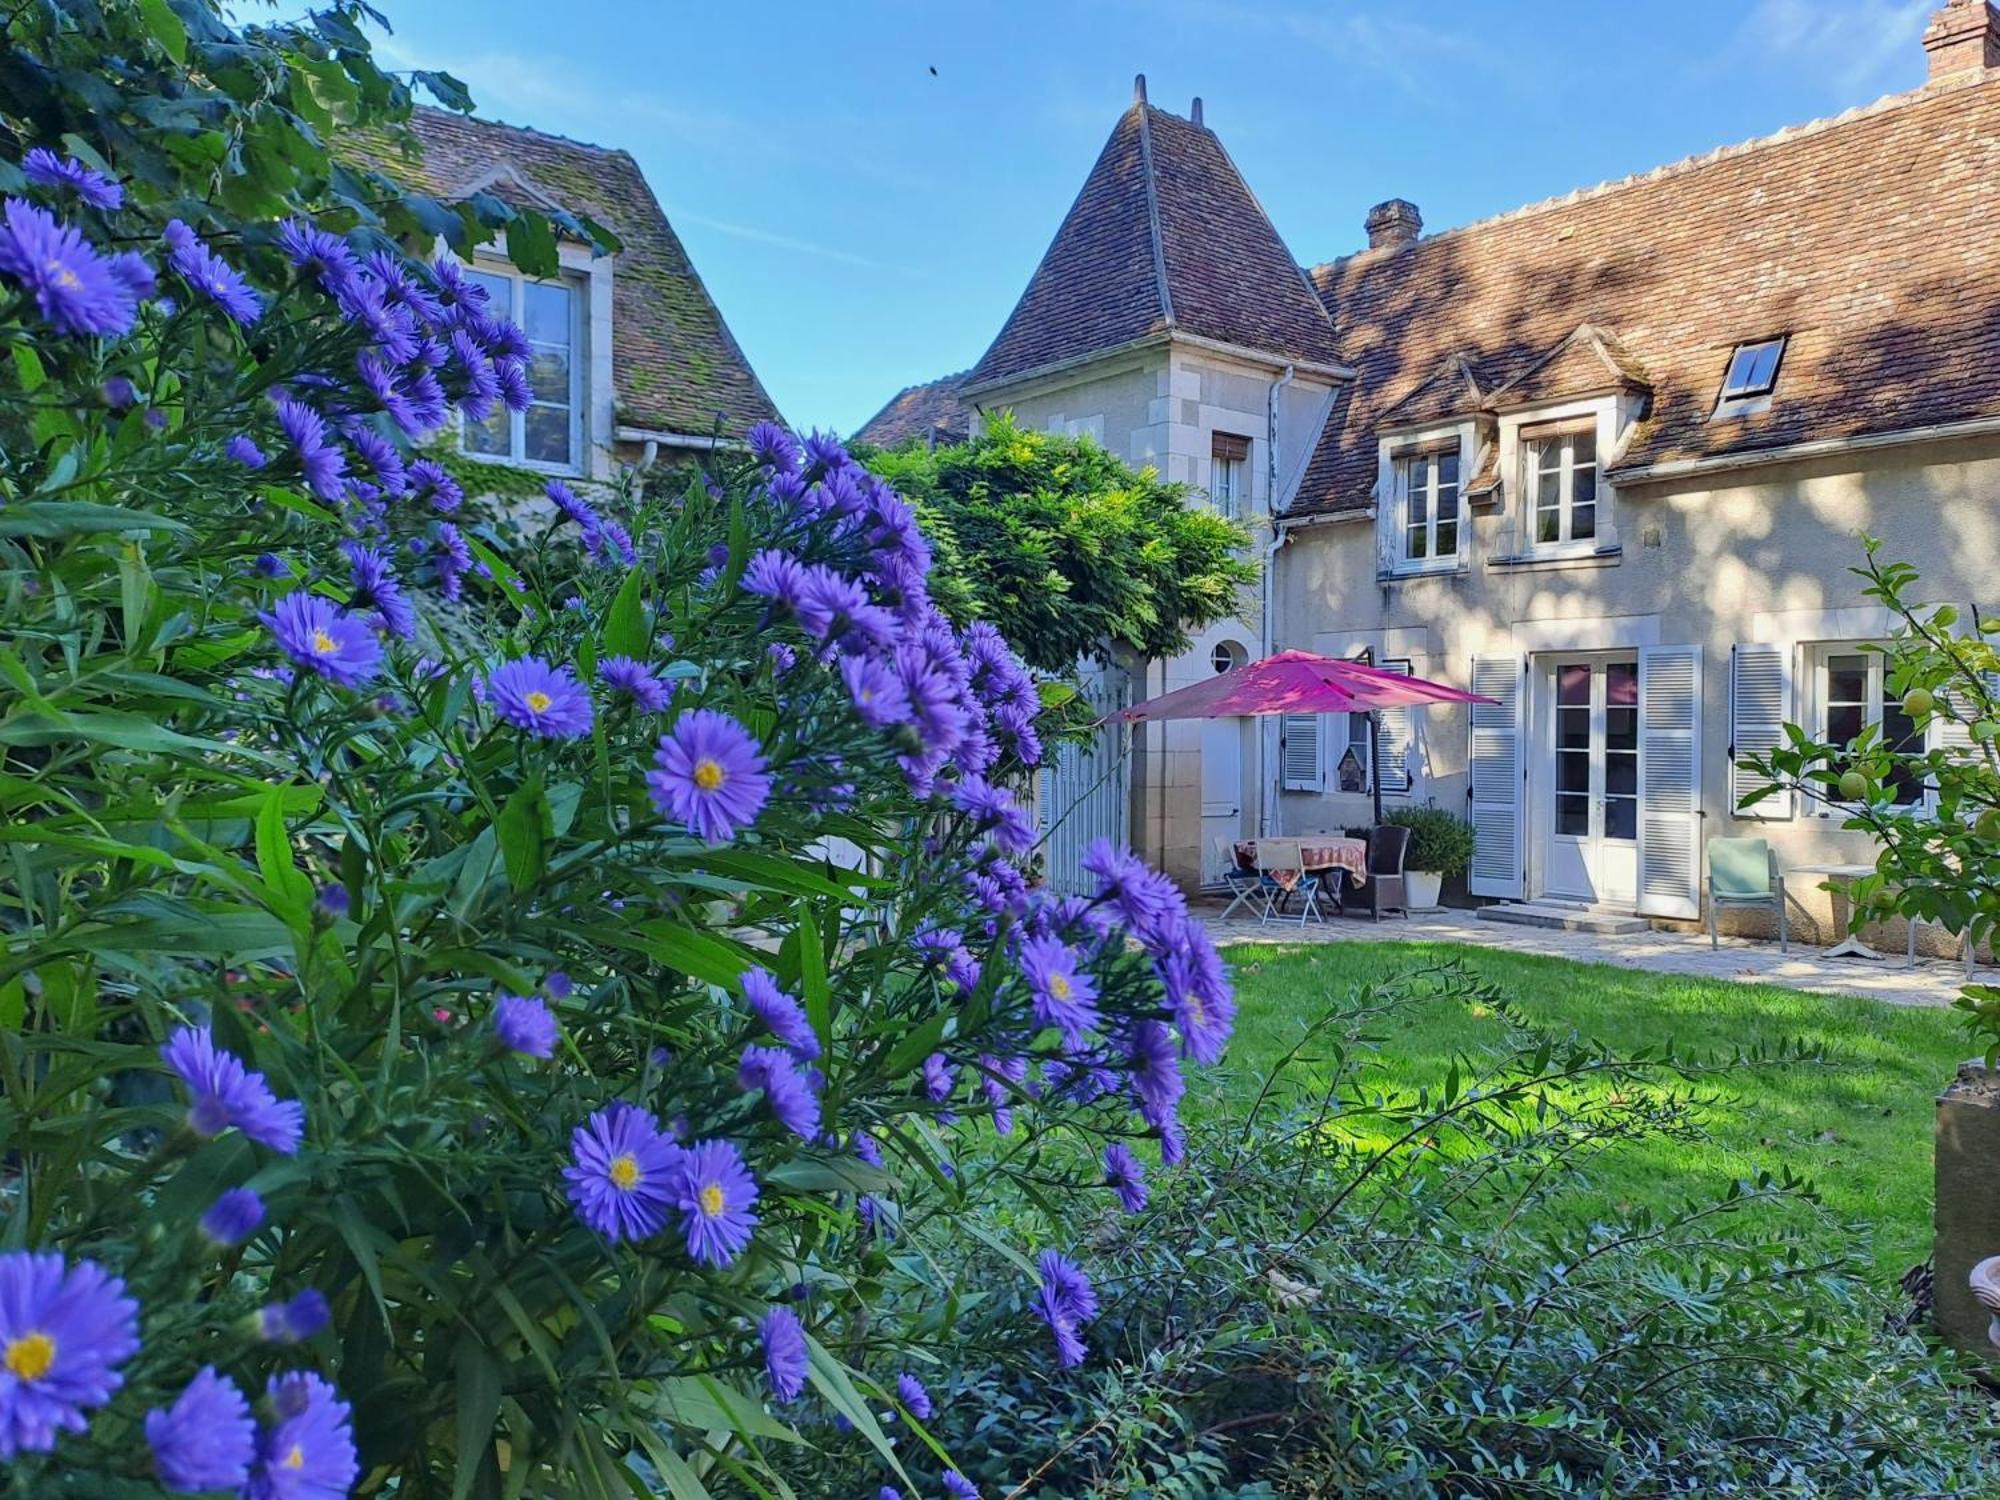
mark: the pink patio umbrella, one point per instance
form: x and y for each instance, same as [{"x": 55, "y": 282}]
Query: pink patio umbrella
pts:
[{"x": 1298, "y": 682}]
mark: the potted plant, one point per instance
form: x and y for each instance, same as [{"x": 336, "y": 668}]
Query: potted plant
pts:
[{"x": 1440, "y": 847}]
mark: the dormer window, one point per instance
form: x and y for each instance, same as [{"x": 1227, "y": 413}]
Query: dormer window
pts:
[
  {"x": 1753, "y": 370},
  {"x": 1428, "y": 485},
  {"x": 1560, "y": 470},
  {"x": 549, "y": 434}
]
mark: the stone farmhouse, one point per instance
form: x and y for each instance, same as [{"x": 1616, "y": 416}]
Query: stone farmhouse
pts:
[{"x": 1606, "y": 459}]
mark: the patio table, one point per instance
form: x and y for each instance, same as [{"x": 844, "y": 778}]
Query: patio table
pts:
[
  {"x": 1319, "y": 854},
  {"x": 1850, "y": 944}
]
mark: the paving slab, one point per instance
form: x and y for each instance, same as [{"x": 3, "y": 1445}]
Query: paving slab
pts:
[{"x": 1657, "y": 950}]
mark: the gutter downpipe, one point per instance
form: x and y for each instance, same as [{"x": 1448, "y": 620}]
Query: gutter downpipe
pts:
[{"x": 1267, "y": 811}]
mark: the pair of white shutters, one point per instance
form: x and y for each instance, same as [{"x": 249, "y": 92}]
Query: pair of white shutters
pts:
[
  {"x": 1304, "y": 746},
  {"x": 1670, "y": 851}
]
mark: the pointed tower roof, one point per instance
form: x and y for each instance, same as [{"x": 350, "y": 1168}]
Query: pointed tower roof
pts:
[{"x": 1164, "y": 237}]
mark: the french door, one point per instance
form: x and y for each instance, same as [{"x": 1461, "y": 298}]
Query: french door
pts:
[{"x": 1591, "y": 826}]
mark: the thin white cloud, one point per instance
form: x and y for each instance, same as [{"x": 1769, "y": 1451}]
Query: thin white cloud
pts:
[
  {"x": 1853, "y": 44},
  {"x": 786, "y": 242}
]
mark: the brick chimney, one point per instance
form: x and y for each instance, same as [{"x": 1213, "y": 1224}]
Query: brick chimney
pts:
[
  {"x": 1964, "y": 37},
  {"x": 1397, "y": 222}
]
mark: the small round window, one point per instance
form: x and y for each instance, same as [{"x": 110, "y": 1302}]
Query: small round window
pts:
[{"x": 1225, "y": 656}]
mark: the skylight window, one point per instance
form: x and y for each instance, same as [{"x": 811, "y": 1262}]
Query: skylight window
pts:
[{"x": 1753, "y": 370}]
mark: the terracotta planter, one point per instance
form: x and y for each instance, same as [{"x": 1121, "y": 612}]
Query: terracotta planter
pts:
[{"x": 1425, "y": 886}]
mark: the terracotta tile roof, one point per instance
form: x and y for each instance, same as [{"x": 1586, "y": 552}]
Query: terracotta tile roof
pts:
[
  {"x": 1165, "y": 235},
  {"x": 676, "y": 365},
  {"x": 931, "y": 411},
  {"x": 1868, "y": 239},
  {"x": 1452, "y": 392},
  {"x": 1588, "y": 362}
]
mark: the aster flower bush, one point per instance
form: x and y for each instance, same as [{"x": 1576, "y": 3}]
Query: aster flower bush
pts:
[{"x": 484, "y": 991}]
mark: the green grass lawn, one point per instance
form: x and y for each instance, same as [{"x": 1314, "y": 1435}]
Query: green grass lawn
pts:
[{"x": 1859, "y": 1126}]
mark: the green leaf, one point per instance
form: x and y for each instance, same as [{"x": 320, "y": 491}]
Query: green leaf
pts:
[
  {"x": 28, "y": 368},
  {"x": 830, "y": 1379},
  {"x": 523, "y": 827},
  {"x": 685, "y": 950},
  {"x": 917, "y": 1045},
  {"x": 625, "y": 622},
  {"x": 166, "y": 28},
  {"x": 703, "y": 1403},
  {"x": 291, "y": 890},
  {"x": 60, "y": 518},
  {"x": 478, "y": 1409},
  {"x": 531, "y": 245}
]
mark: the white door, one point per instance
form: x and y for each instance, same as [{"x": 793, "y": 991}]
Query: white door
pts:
[
  {"x": 1221, "y": 791},
  {"x": 1590, "y": 823}
]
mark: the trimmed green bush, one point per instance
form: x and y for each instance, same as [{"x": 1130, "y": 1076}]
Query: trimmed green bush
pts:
[{"x": 1440, "y": 842}]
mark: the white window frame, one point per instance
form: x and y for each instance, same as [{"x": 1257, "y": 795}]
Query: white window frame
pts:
[
  {"x": 1429, "y": 461},
  {"x": 1229, "y": 479},
  {"x": 1818, "y": 662},
  {"x": 578, "y": 288},
  {"x": 1394, "y": 452},
  {"x": 1566, "y": 503},
  {"x": 1613, "y": 416}
]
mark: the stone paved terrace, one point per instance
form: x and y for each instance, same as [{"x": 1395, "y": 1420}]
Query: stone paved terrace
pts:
[{"x": 1661, "y": 951}]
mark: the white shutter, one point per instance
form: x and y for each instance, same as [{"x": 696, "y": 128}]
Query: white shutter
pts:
[
  {"x": 1760, "y": 704},
  {"x": 1299, "y": 752},
  {"x": 1670, "y": 781},
  {"x": 1497, "y": 768},
  {"x": 1398, "y": 737}
]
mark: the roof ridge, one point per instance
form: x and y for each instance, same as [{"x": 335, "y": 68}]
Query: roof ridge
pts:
[
  {"x": 461, "y": 117},
  {"x": 1153, "y": 211},
  {"x": 1688, "y": 164}
]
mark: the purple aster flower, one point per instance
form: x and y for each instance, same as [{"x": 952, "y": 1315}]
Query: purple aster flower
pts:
[
  {"x": 525, "y": 1025},
  {"x": 785, "y": 1089},
  {"x": 624, "y": 1174},
  {"x": 938, "y": 1077},
  {"x": 206, "y": 1440},
  {"x": 1065, "y": 1301},
  {"x": 935, "y": 701},
  {"x": 44, "y": 168},
  {"x": 242, "y": 450},
  {"x": 773, "y": 447},
  {"x": 307, "y": 1453},
  {"x": 1064, "y": 996},
  {"x": 1173, "y": 1143},
  {"x": 317, "y": 635},
  {"x": 571, "y": 508},
  {"x": 780, "y": 1013},
  {"x": 558, "y": 984},
  {"x": 390, "y": 327},
  {"x": 324, "y": 463},
  {"x": 453, "y": 560},
  {"x": 63, "y": 1333},
  {"x": 295, "y": 1321},
  {"x": 331, "y": 901},
  {"x": 205, "y": 271},
  {"x": 717, "y": 1198},
  {"x": 836, "y": 608},
  {"x": 517, "y": 393},
  {"x": 133, "y": 272},
  {"x": 783, "y": 658},
  {"x": 270, "y": 565},
  {"x": 375, "y": 583},
  {"x": 612, "y": 544},
  {"x": 785, "y": 1356},
  {"x": 532, "y": 695},
  {"x": 916, "y": 1399},
  {"x": 1156, "y": 1072},
  {"x": 233, "y": 1217},
  {"x": 73, "y": 287},
  {"x": 226, "y": 1093},
  {"x": 888, "y": 1492},
  {"x": 711, "y": 776},
  {"x": 381, "y": 457},
  {"x": 774, "y": 575},
  {"x": 1126, "y": 1173},
  {"x": 633, "y": 680},
  {"x": 119, "y": 393},
  {"x": 318, "y": 254},
  {"x": 1197, "y": 987},
  {"x": 877, "y": 692},
  {"x": 867, "y": 1150},
  {"x": 958, "y": 1487},
  {"x": 429, "y": 481}
]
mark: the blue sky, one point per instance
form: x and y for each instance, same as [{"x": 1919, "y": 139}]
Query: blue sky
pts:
[{"x": 866, "y": 222}]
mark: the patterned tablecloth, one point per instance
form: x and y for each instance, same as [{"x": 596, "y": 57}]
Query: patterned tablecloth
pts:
[{"x": 1319, "y": 854}]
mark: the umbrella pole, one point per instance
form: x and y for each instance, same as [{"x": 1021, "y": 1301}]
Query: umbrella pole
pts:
[{"x": 1375, "y": 758}]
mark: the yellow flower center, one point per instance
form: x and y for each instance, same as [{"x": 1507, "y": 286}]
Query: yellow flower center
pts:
[
  {"x": 30, "y": 1356},
  {"x": 624, "y": 1173},
  {"x": 1059, "y": 986},
  {"x": 296, "y": 1458},
  {"x": 64, "y": 277},
  {"x": 708, "y": 775},
  {"x": 712, "y": 1202},
  {"x": 539, "y": 702},
  {"x": 324, "y": 644}
]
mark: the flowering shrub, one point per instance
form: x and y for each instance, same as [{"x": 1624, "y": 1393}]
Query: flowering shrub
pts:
[{"x": 443, "y": 1051}]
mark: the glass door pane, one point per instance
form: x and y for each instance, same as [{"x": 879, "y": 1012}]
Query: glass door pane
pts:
[
  {"x": 1573, "y": 713},
  {"x": 1621, "y": 750}
]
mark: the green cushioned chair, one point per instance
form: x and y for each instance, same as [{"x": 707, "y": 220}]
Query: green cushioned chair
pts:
[{"x": 1744, "y": 872}]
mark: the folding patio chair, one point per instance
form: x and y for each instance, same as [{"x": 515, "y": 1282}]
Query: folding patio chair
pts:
[
  {"x": 1243, "y": 885},
  {"x": 1285, "y": 854}
]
